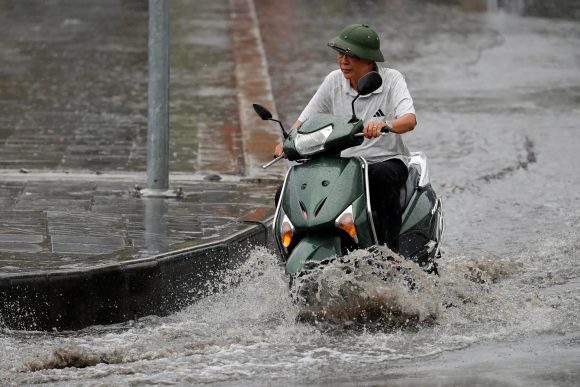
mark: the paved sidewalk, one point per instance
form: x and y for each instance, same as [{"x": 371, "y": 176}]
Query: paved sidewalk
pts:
[
  {"x": 76, "y": 224},
  {"x": 73, "y": 130}
]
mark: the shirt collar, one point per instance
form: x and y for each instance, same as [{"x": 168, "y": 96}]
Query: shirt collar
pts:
[{"x": 350, "y": 91}]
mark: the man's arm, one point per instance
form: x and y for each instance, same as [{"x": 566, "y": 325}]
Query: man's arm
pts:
[{"x": 404, "y": 124}]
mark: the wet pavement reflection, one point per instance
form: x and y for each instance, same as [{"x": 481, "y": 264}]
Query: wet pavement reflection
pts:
[
  {"x": 74, "y": 87},
  {"x": 77, "y": 225},
  {"x": 73, "y": 92}
]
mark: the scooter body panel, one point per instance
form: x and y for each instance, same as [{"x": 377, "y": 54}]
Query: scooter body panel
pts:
[
  {"x": 313, "y": 248},
  {"x": 319, "y": 190},
  {"x": 418, "y": 216},
  {"x": 314, "y": 195}
]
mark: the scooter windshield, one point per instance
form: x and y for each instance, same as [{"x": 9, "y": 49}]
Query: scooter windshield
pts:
[{"x": 311, "y": 143}]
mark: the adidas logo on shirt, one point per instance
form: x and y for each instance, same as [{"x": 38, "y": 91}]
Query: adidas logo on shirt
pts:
[{"x": 379, "y": 113}]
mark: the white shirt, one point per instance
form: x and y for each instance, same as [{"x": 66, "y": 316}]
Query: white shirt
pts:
[{"x": 391, "y": 100}]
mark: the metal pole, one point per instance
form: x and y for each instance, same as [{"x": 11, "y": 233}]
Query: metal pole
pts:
[
  {"x": 158, "y": 96},
  {"x": 156, "y": 225}
]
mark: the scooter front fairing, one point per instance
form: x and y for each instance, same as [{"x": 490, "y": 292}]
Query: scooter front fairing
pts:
[{"x": 323, "y": 202}]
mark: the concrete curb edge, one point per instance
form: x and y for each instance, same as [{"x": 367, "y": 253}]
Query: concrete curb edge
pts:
[{"x": 159, "y": 285}]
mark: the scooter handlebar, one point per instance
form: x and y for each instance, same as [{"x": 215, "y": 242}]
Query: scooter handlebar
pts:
[
  {"x": 384, "y": 131},
  {"x": 274, "y": 161}
]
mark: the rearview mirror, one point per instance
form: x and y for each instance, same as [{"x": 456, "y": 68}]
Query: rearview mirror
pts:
[
  {"x": 267, "y": 116},
  {"x": 369, "y": 83},
  {"x": 366, "y": 85},
  {"x": 262, "y": 112}
]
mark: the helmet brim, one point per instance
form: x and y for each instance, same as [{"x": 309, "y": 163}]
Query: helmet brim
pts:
[{"x": 344, "y": 47}]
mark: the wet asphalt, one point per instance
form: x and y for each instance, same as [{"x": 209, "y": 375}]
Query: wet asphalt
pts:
[{"x": 73, "y": 133}]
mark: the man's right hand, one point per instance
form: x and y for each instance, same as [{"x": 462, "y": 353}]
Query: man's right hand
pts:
[{"x": 279, "y": 150}]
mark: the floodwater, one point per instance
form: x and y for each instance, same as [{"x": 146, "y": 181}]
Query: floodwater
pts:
[{"x": 498, "y": 101}]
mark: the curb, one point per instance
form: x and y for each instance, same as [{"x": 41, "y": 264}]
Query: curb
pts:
[
  {"x": 165, "y": 283},
  {"x": 160, "y": 285}
]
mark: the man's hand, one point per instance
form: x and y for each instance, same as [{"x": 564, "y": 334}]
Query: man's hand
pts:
[
  {"x": 373, "y": 128},
  {"x": 279, "y": 150}
]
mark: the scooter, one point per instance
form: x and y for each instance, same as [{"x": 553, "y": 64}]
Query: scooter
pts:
[{"x": 324, "y": 209}]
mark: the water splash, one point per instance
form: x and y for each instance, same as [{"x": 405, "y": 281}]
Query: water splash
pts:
[
  {"x": 467, "y": 280},
  {"x": 69, "y": 356},
  {"x": 236, "y": 310},
  {"x": 367, "y": 290},
  {"x": 249, "y": 330}
]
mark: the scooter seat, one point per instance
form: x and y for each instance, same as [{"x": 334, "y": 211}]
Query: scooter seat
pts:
[{"x": 408, "y": 189}]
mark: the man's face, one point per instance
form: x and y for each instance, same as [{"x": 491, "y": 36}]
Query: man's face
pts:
[{"x": 352, "y": 67}]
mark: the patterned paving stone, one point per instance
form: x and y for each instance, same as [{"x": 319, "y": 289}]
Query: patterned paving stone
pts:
[
  {"x": 73, "y": 134},
  {"x": 109, "y": 225}
]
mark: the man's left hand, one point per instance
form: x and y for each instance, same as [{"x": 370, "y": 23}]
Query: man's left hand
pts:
[{"x": 373, "y": 128}]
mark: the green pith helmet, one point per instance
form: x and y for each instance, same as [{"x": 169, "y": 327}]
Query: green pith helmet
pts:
[{"x": 359, "y": 40}]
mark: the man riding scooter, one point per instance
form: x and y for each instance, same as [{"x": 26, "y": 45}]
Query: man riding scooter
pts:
[{"x": 390, "y": 106}]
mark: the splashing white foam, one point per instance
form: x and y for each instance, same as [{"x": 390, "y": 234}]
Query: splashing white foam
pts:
[
  {"x": 250, "y": 326},
  {"x": 367, "y": 290}
]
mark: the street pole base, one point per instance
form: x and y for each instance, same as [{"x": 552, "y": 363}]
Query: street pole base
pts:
[{"x": 158, "y": 193}]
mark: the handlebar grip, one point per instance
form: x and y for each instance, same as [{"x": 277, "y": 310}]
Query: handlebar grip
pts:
[
  {"x": 274, "y": 161},
  {"x": 384, "y": 131}
]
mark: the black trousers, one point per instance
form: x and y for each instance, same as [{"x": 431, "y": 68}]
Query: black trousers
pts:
[{"x": 385, "y": 181}]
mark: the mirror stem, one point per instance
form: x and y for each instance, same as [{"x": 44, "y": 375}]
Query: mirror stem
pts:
[
  {"x": 353, "y": 119},
  {"x": 281, "y": 127}
]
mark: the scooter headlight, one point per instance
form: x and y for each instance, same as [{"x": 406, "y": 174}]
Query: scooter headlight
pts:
[
  {"x": 307, "y": 144},
  {"x": 286, "y": 232},
  {"x": 345, "y": 221}
]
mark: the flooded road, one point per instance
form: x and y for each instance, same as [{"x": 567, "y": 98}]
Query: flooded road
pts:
[
  {"x": 498, "y": 102},
  {"x": 507, "y": 332}
]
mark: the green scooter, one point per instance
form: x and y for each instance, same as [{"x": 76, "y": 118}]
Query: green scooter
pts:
[{"x": 324, "y": 209}]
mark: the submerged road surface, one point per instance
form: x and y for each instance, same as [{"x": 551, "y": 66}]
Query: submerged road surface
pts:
[{"x": 498, "y": 102}]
